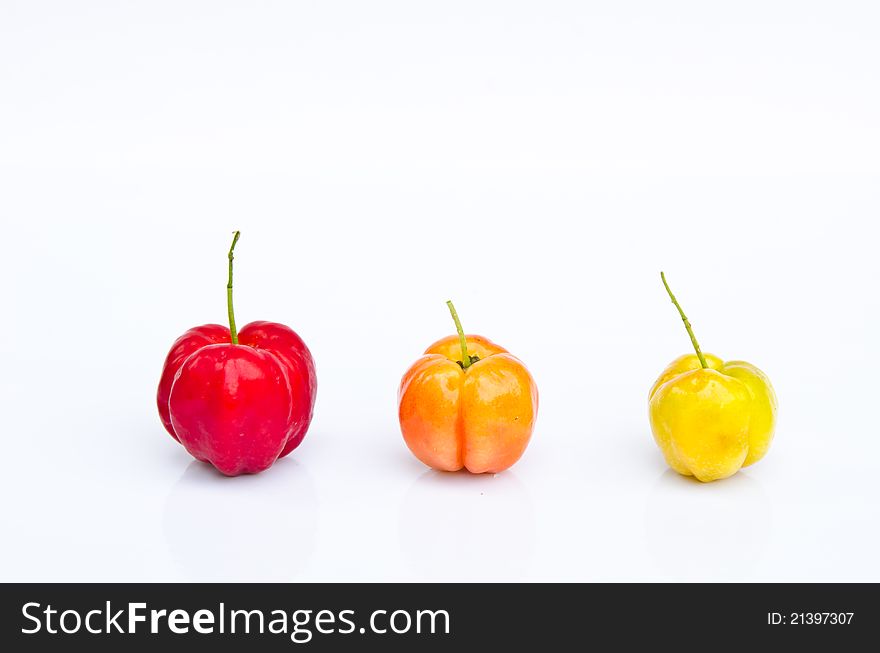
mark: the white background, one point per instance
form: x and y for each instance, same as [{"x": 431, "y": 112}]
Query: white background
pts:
[{"x": 537, "y": 162}]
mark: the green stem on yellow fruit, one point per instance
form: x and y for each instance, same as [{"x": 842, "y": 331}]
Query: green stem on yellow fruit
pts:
[
  {"x": 465, "y": 359},
  {"x": 687, "y": 324},
  {"x": 232, "y": 330}
]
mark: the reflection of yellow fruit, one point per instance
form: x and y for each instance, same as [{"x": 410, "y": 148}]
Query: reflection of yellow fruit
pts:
[
  {"x": 710, "y": 418},
  {"x": 710, "y": 422}
]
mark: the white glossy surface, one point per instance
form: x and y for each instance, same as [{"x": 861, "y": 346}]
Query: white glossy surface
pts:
[{"x": 537, "y": 162}]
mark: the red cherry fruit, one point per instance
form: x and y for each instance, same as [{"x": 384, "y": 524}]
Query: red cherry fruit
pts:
[{"x": 238, "y": 400}]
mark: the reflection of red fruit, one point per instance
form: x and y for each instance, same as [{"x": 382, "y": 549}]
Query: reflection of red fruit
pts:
[
  {"x": 201, "y": 506},
  {"x": 238, "y": 400}
]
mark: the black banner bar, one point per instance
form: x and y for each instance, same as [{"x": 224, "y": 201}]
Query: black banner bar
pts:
[{"x": 317, "y": 617}]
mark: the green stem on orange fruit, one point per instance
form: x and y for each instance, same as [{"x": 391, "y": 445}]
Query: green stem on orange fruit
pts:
[
  {"x": 232, "y": 330},
  {"x": 465, "y": 359},
  {"x": 687, "y": 324}
]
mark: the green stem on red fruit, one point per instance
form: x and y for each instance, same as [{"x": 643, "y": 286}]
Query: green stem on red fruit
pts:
[
  {"x": 232, "y": 330},
  {"x": 466, "y": 360},
  {"x": 687, "y": 324}
]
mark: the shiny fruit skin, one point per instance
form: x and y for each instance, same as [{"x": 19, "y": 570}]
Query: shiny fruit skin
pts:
[
  {"x": 708, "y": 423},
  {"x": 290, "y": 349},
  {"x": 239, "y": 407},
  {"x": 480, "y": 418}
]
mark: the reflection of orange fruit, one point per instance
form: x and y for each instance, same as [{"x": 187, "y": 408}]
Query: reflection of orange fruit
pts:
[{"x": 479, "y": 418}]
